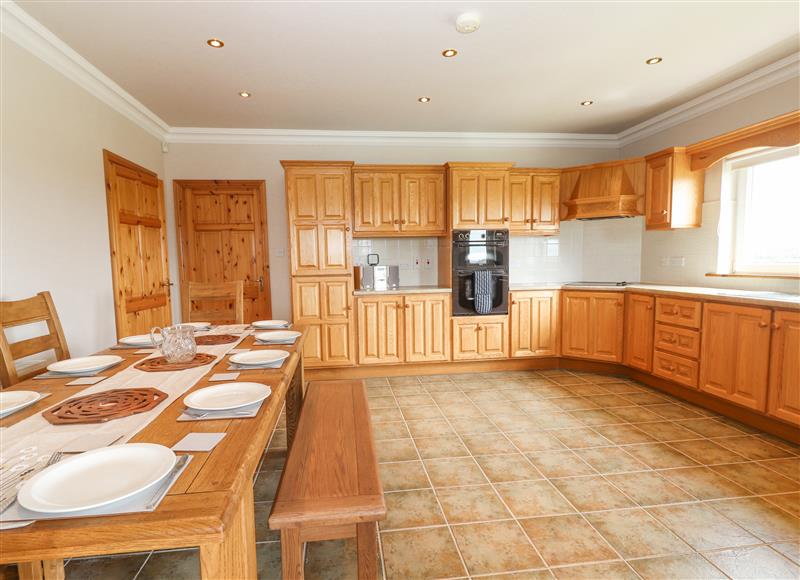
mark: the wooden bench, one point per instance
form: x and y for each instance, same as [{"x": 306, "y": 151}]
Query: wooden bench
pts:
[{"x": 330, "y": 486}]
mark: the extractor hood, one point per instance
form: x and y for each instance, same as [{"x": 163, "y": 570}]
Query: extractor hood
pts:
[{"x": 604, "y": 190}]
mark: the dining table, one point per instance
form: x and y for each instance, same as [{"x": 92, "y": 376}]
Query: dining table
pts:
[{"x": 210, "y": 506}]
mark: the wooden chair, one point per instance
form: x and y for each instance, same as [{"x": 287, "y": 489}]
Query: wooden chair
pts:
[
  {"x": 39, "y": 308},
  {"x": 221, "y": 303}
]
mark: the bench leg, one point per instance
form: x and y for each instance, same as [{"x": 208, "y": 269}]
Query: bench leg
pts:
[
  {"x": 291, "y": 554},
  {"x": 367, "y": 539}
]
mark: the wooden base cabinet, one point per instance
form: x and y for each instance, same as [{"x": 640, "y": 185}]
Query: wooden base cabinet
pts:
[
  {"x": 480, "y": 337},
  {"x": 592, "y": 325},
  {"x": 380, "y": 330},
  {"x": 534, "y": 323},
  {"x": 784, "y": 374},
  {"x": 427, "y": 333},
  {"x": 639, "y": 321},
  {"x": 735, "y": 353},
  {"x": 323, "y": 305}
]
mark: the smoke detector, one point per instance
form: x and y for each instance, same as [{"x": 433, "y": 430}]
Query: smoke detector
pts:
[{"x": 468, "y": 22}]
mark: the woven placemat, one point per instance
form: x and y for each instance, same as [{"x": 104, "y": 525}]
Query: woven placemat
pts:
[
  {"x": 159, "y": 364},
  {"x": 104, "y": 406},
  {"x": 215, "y": 339}
]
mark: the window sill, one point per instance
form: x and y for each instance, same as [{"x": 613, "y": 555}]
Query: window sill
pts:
[{"x": 744, "y": 275}]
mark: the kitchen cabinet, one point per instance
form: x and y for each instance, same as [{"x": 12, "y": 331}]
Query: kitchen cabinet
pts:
[
  {"x": 427, "y": 333},
  {"x": 688, "y": 313},
  {"x": 320, "y": 248},
  {"x": 533, "y": 202},
  {"x": 376, "y": 202},
  {"x": 479, "y": 194},
  {"x": 318, "y": 191},
  {"x": 380, "y": 329},
  {"x": 480, "y": 337},
  {"x": 592, "y": 325},
  {"x": 639, "y": 324},
  {"x": 324, "y": 305},
  {"x": 610, "y": 189},
  {"x": 784, "y": 374},
  {"x": 534, "y": 323},
  {"x": 423, "y": 209},
  {"x": 673, "y": 192},
  {"x": 735, "y": 353}
]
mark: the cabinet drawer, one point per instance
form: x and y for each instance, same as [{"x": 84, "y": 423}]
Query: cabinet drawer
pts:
[
  {"x": 677, "y": 340},
  {"x": 675, "y": 311},
  {"x": 675, "y": 368}
]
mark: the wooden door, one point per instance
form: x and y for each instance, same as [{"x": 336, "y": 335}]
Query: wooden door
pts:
[
  {"x": 520, "y": 198},
  {"x": 380, "y": 329},
  {"x": 606, "y": 320},
  {"x": 784, "y": 375},
  {"x": 422, "y": 203},
  {"x": 575, "y": 309},
  {"x": 427, "y": 334},
  {"x": 735, "y": 353},
  {"x": 465, "y": 338},
  {"x": 658, "y": 192},
  {"x": 534, "y": 324},
  {"x": 137, "y": 232},
  {"x": 545, "y": 205},
  {"x": 376, "y": 202},
  {"x": 222, "y": 235},
  {"x": 466, "y": 199},
  {"x": 493, "y": 338},
  {"x": 494, "y": 199},
  {"x": 639, "y": 330}
]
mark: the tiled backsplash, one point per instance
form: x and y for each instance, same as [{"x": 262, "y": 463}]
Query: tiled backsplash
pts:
[{"x": 417, "y": 257}]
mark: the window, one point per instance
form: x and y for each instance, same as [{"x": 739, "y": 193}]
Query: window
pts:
[{"x": 760, "y": 214}]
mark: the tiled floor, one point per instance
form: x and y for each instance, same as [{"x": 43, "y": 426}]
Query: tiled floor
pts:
[{"x": 548, "y": 474}]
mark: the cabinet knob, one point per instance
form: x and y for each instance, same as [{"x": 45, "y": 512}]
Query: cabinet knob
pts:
[
  {"x": 505, "y": 219},
  {"x": 776, "y": 326},
  {"x": 347, "y": 229},
  {"x": 663, "y": 212},
  {"x": 402, "y": 221},
  {"x": 478, "y": 327},
  {"x": 407, "y": 306},
  {"x": 675, "y": 312},
  {"x": 535, "y": 221},
  {"x": 397, "y": 221},
  {"x": 762, "y": 324},
  {"x": 649, "y": 307},
  {"x": 513, "y": 302}
]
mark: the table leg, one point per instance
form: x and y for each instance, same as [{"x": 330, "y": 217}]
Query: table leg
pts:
[
  {"x": 294, "y": 401},
  {"x": 41, "y": 570},
  {"x": 235, "y": 557},
  {"x": 291, "y": 554},
  {"x": 367, "y": 542}
]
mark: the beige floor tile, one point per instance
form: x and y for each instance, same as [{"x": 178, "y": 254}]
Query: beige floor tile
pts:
[
  {"x": 429, "y": 428},
  {"x": 379, "y": 391},
  {"x": 580, "y": 438},
  {"x": 594, "y": 417},
  {"x": 495, "y": 547},
  {"x": 425, "y": 553},
  {"x": 753, "y": 448},
  {"x": 263, "y": 533},
  {"x": 273, "y": 460},
  {"x": 537, "y": 407},
  {"x": 492, "y": 408},
  {"x": 602, "y": 571},
  {"x": 441, "y": 387},
  {"x": 418, "y": 400},
  {"x": 406, "y": 475},
  {"x": 425, "y": 412},
  {"x": 488, "y": 444},
  {"x": 636, "y": 534},
  {"x": 704, "y": 483},
  {"x": 586, "y": 390},
  {"x": 703, "y": 527},
  {"x": 478, "y": 503},
  {"x": 560, "y": 464},
  {"x": 687, "y": 566},
  {"x": 531, "y": 441},
  {"x": 649, "y": 488},
  {"x": 411, "y": 509},
  {"x": 376, "y": 382},
  {"x": 454, "y": 471},
  {"x": 278, "y": 440},
  {"x": 268, "y": 558},
  {"x": 787, "y": 467},
  {"x": 453, "y": 410},
  {"x": 333, "y": 560},
  {"x": 428, "y": 379},
  {"x": 523, "y": 394},
  {"x": 386, "y": 414},
  {"x": 709, "y": 427},
  {"x": 533, "y": 498},
  {"x": 756, "y": 478},
  {"x": 659, "y": 456},
  {"x": 381, "y": 402},
  {"x": 437, "y": 447},
  {"x": 568, "y": 380},
  {"x": 623, "y": 434},
  {"x": 266, "y": 485},
  {"x": 125, "y": 566},
  {"x": 672, "y": 411},
  {"x": 390, "y": 430},
  {"x": 755, "y": 562},
  {"x": 395, "y": 450},
  {"x": 617, "y": 386},
  {"x": 635, "y": 414},
  {"x": 760, "y": 518},
  {"x": 558, "y": 420},
  {"x": 513, "y": 467},
  {"x": 789, "y": 549},
  {"x": 567, "y": 539},
  {"x": 607, "y": 401},
  {"x": 610, "y": 460},
  {"x": 467, "y": 425},
  {"x": 399, "y": 381},
  {"x": 667, "y": 431},
  {"x": 573, "y": 403},
  {"x": 512, "y": 423},
  {"x": 592, "y": 493},
  {"x": 172, "y": 564},
  {"x": 450, "y": 398},
  {"x": 789, "y": 502},
  {"x": 707, "y": 452}
]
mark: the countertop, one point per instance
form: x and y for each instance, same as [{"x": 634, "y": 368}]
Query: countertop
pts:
[{"x": 404, "y": 290}]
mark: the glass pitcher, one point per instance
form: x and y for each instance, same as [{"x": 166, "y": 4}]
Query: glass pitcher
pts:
[{"x": 178, "y": 344}]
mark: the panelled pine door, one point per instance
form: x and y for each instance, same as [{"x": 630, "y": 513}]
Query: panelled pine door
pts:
[
  {"x": 138, "y": 236},
  {"x": 222, "y": 232}
]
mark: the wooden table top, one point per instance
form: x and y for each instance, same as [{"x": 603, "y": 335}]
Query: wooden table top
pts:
[{"x": 198, "y": 506}]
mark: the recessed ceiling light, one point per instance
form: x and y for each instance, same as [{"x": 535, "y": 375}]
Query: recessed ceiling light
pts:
[
  {"x": 587, "y": 103},
  {"x": 424, "y": 99},
  {"x": 215, "y": 43},
  {"x": 245, "y": 94},
  {"x": 654, "y": 60},
  {"x": 468, "y": 22},
  {"x": 449, "y": 53}
]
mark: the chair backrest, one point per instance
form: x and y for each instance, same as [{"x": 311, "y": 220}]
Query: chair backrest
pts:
[
  {"x": 39, "y": 308},
  {"x": 221, "y": 303}
]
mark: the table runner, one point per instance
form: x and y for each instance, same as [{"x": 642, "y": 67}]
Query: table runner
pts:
[{"x": 38, "y": 435}]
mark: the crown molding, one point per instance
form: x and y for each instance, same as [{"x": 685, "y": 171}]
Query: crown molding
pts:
[{"x": 31, "y": 35}]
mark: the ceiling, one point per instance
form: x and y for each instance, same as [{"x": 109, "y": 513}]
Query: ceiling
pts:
[{"x": 362, "y": 66}]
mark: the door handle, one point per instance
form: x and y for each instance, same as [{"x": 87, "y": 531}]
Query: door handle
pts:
[
  {"x": 261, "y": 283},
  {"x": 168, "y": 285}
]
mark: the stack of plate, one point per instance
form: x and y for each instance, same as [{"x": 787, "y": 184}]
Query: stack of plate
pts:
[
  {"x": 84, "y": 364},
  {"x": 255, "y": 359},
  {"x": 11, "y": 401},
  {"x": 277, "y": 337},
  {"x": 271, "y": 324},
  {"x": 226, "y": 397}
]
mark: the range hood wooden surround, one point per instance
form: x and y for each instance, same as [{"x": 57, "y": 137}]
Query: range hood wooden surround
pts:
[{"x": 603, "y": 190}]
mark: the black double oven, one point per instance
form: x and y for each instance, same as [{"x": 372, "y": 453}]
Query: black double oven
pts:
[{"x": 484, "y": 251}]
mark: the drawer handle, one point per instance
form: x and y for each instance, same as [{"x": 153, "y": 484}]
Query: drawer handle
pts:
[
  {"x": 675, "y": 311},
  {"x": 649, "y": 307},
  {"x": 762, "y": 324}
]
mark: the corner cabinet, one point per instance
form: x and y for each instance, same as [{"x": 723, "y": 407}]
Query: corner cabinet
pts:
[
  {"x": 673, "y": 192},
  {"x": 533, "y": 202},
  {"x": 480, "y": 337},
  {"x": 534, "y": 323},
  {"x": 592, "y": 325},
  {"x": 784, "y": 374},
  {"x": 639, "y": 324},
  {"x": 479, "y": 194}
]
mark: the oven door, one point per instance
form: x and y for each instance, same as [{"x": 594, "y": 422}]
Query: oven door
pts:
[{"x": 464, "y": 292}]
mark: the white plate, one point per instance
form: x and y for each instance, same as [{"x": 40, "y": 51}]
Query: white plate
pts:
[
  {"x": 141, "y": 340},
  {"x": 11, "y": 401},
  {"x": 267, "y": 324},
  {"x": 197, "y": 325},
  {"x": 96, "y": 478},
  {"x": 277, "y": 335},
  {"x": 227, "y": 396},
  {"x": 259, "y": 357},
  {"x": 84, "y": 364}
]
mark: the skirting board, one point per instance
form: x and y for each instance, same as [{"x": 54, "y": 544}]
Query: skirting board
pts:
[{"x": 699, "y": 398}]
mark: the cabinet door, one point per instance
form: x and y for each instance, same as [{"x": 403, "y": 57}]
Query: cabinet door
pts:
[
  {"x": 337, "y": 344},
  {"x": 335, "y": 240},
  {"x": 306, "y": 300},
  {"x": 534, "y": 324},
  {"x": 784, "y": 376},
  {"x": 305, "y": 249},
  {"x": 576, "y": 307},
  {"x": 312, "y": 347},
  {"x": 301, "y": 195},
  {"x": 427, "y": 335},
  {"x": 494, "y": 199},
  {"x": 466, "y": 199},
  {"x": 465, "y": 339},
  {"x": 658, "y": 192},
  {"x": 607, "y": 316},
  {"x": 520, "y": 200},
  {"x": 735, "y": 354},
  {"x": 336, "y": 297},
  {"x": 376, "y": 202},
  {"x": 334, "y": 195},
  {"x": 639, "y": 329},
  {"x": 318, "y": 194},
  {"x": 493, "y": 339},
  {"x": 422, "y": 203},
  {"x": 546, "y": 204},
  {"x": 380, "y": 330}
]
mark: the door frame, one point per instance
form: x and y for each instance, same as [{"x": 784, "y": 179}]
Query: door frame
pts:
[{"x": 178, "y": 187}]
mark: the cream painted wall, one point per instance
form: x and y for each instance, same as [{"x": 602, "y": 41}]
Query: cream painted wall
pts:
[
  {"x": 698, "y": 247},
  {"x": 53, "y": 224}
]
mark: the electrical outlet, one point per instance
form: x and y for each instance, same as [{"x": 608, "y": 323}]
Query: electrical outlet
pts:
[
  {"x": 417, "y": 262},
  {"x": 677, "y": 261},
  {"x": 427, "y": 264}
]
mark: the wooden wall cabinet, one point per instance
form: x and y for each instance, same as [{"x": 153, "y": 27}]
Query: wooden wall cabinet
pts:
[
  {"x": 592, "y": 325},
  {"x": 534, "y": 323},
  {"x": 480, "y": 337},
  {"x": 479, "y": 194},
  {"x": 735, "y": 353},
  {"x": 673, "y": 192},
  {"x": 610, "y": 189},
  {"x": 376, "y": 202},
  {"x": 324, "y": 305},
  {"x": 533, "y": 202},
  {"x": 784, "y": 373},
  {"x": 639, "y": 322}
]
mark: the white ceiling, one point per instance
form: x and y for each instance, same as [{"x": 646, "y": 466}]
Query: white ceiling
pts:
[{"x": 361, "y": 66}]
